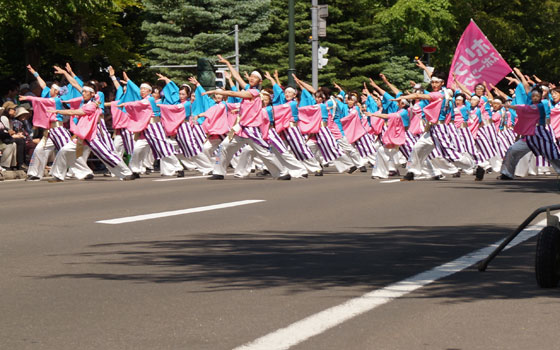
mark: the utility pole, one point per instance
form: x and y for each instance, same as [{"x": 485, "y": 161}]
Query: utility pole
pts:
[
  {"x": 291, "y": 43},
  {"x": 319, "y": 14},
  {"x": 236, "y": 29},
  {"x": 314, "y": 44}
]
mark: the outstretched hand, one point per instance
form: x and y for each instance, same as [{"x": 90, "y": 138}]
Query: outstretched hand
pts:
[
  {"x": 30, "y": 69},
  {"x": 193, "y": 81},
  {"x": 69, "y": 68},
  {"x": 221, "y": 59},
  {"x": 58, "y": 70}
]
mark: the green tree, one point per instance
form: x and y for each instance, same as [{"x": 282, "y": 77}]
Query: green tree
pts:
[
  {"x": 357, "y": 46},
  {"x": 413, "y": 23},
  {"x": 86, "y": 32},
  {"x": 179, "y": 32}
]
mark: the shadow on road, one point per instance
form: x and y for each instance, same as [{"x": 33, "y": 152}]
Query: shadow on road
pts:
[
  {"x": 530, "y": 185},
  {"x": 367, "y": 258}
]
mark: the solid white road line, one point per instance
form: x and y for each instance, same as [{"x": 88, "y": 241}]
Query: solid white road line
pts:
[
  {"x": 177, "y": 212},
  {"x": 389, "y": 181},
  {"x": 320, "y": 322}
]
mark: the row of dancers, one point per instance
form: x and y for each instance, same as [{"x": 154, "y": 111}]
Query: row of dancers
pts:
[{"x": 294, "y": 132}]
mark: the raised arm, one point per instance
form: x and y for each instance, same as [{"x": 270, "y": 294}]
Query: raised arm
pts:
[
  {"x": 228, "y": 77},
  {"x": 523, "y": 79},
  {"x": 69, "y": 78},
  {"x": 165, "y": 79},
  {"x": 488, "y": 92},
  {"x": 270, "y": 78},
  {"x": 40, "y": 80},
  {"x": 233, "y": 71},
  {"x": 114, "y": 78},
  {"x": 421, "y": 64},
  {"x": 365, "y": 90},
  {"x": 376, "y": 87},
  {"x": 461, "y": 87},
  {"x": 276, "y": 77},
  {"x": 498, "y": 91},
  {"x": 304, "y": 85},
  {"x": 391, "y": 86}
]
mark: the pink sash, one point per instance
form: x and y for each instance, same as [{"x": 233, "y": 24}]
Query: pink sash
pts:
[
  {"x": 309, "y": 119},
  {"x": 432, "y": 110},
  {"x": 171, "y": 117},
  {"x": 217, "y": 121},
  {"x": 86, "y": 129},
  {"x": 555, "y": 121},
  {"x": 352, "y": 126},
  {"x": 41, "y": 118},
  {"x": 282, "y": 117},
  {"x": 139, "y": 113},
  {"x": 377, "y": 125},
  {"x": 120, "y": 119},
  {"x": 395, "y": 135},
  {"x": 527, "y": 118}
]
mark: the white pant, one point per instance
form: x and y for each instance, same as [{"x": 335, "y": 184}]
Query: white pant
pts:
[
  {"x": 66, "y": 158},
  {"x": 200, "y": 162},
  {"x": 422, "y": 149},
  {"x": 383, "y": 159},
  {"x": 350, "y": 151},
  {"x": 41, "y": 156},
  {"x": 230, "y": 147},
  {"x": 294, "y": 167}
]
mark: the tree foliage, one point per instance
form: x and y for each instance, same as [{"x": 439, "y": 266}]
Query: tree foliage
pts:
[
  {"x": 364, "y": 37},
  {"x": 179, "y": 32}
]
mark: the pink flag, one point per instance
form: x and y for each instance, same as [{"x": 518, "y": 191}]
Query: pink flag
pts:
[
  {"x": 216, "y": 122},
  {"x": 395, "y": 135},
  {"x": 120, "y": 119},
  {"x": 476, "y": 60},
  {"x": 310, "y": 118},
  {"x": 171, "y": 118},
  {"x": 352, "y": 126},
  {"x": 432, "y": 110},
  {"x": 41, "y": 118},
  {"x": 282, "y": 116},
  {"x": 140, "y": 113}
]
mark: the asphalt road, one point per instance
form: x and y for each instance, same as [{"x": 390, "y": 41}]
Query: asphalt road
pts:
[{"x": 223, "y": 278}]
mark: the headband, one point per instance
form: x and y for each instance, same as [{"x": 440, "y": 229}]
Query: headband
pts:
[
  {"x": 145, "y": 86},
  {"x": 496, "y": 100},
  {"x": 87, "y": 88},
  {"x": 257, "y": 74},
  {"x": 436, "y": 80},
  {"x": 54, "y": 86},
  {"x": 291, "y": 89},
  {"x": 459, "y": 98}
]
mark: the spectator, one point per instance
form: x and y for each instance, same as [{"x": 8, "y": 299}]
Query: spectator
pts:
[
  {"x": 8, "y": 118},
  {"x": 7, "y": 147}
]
